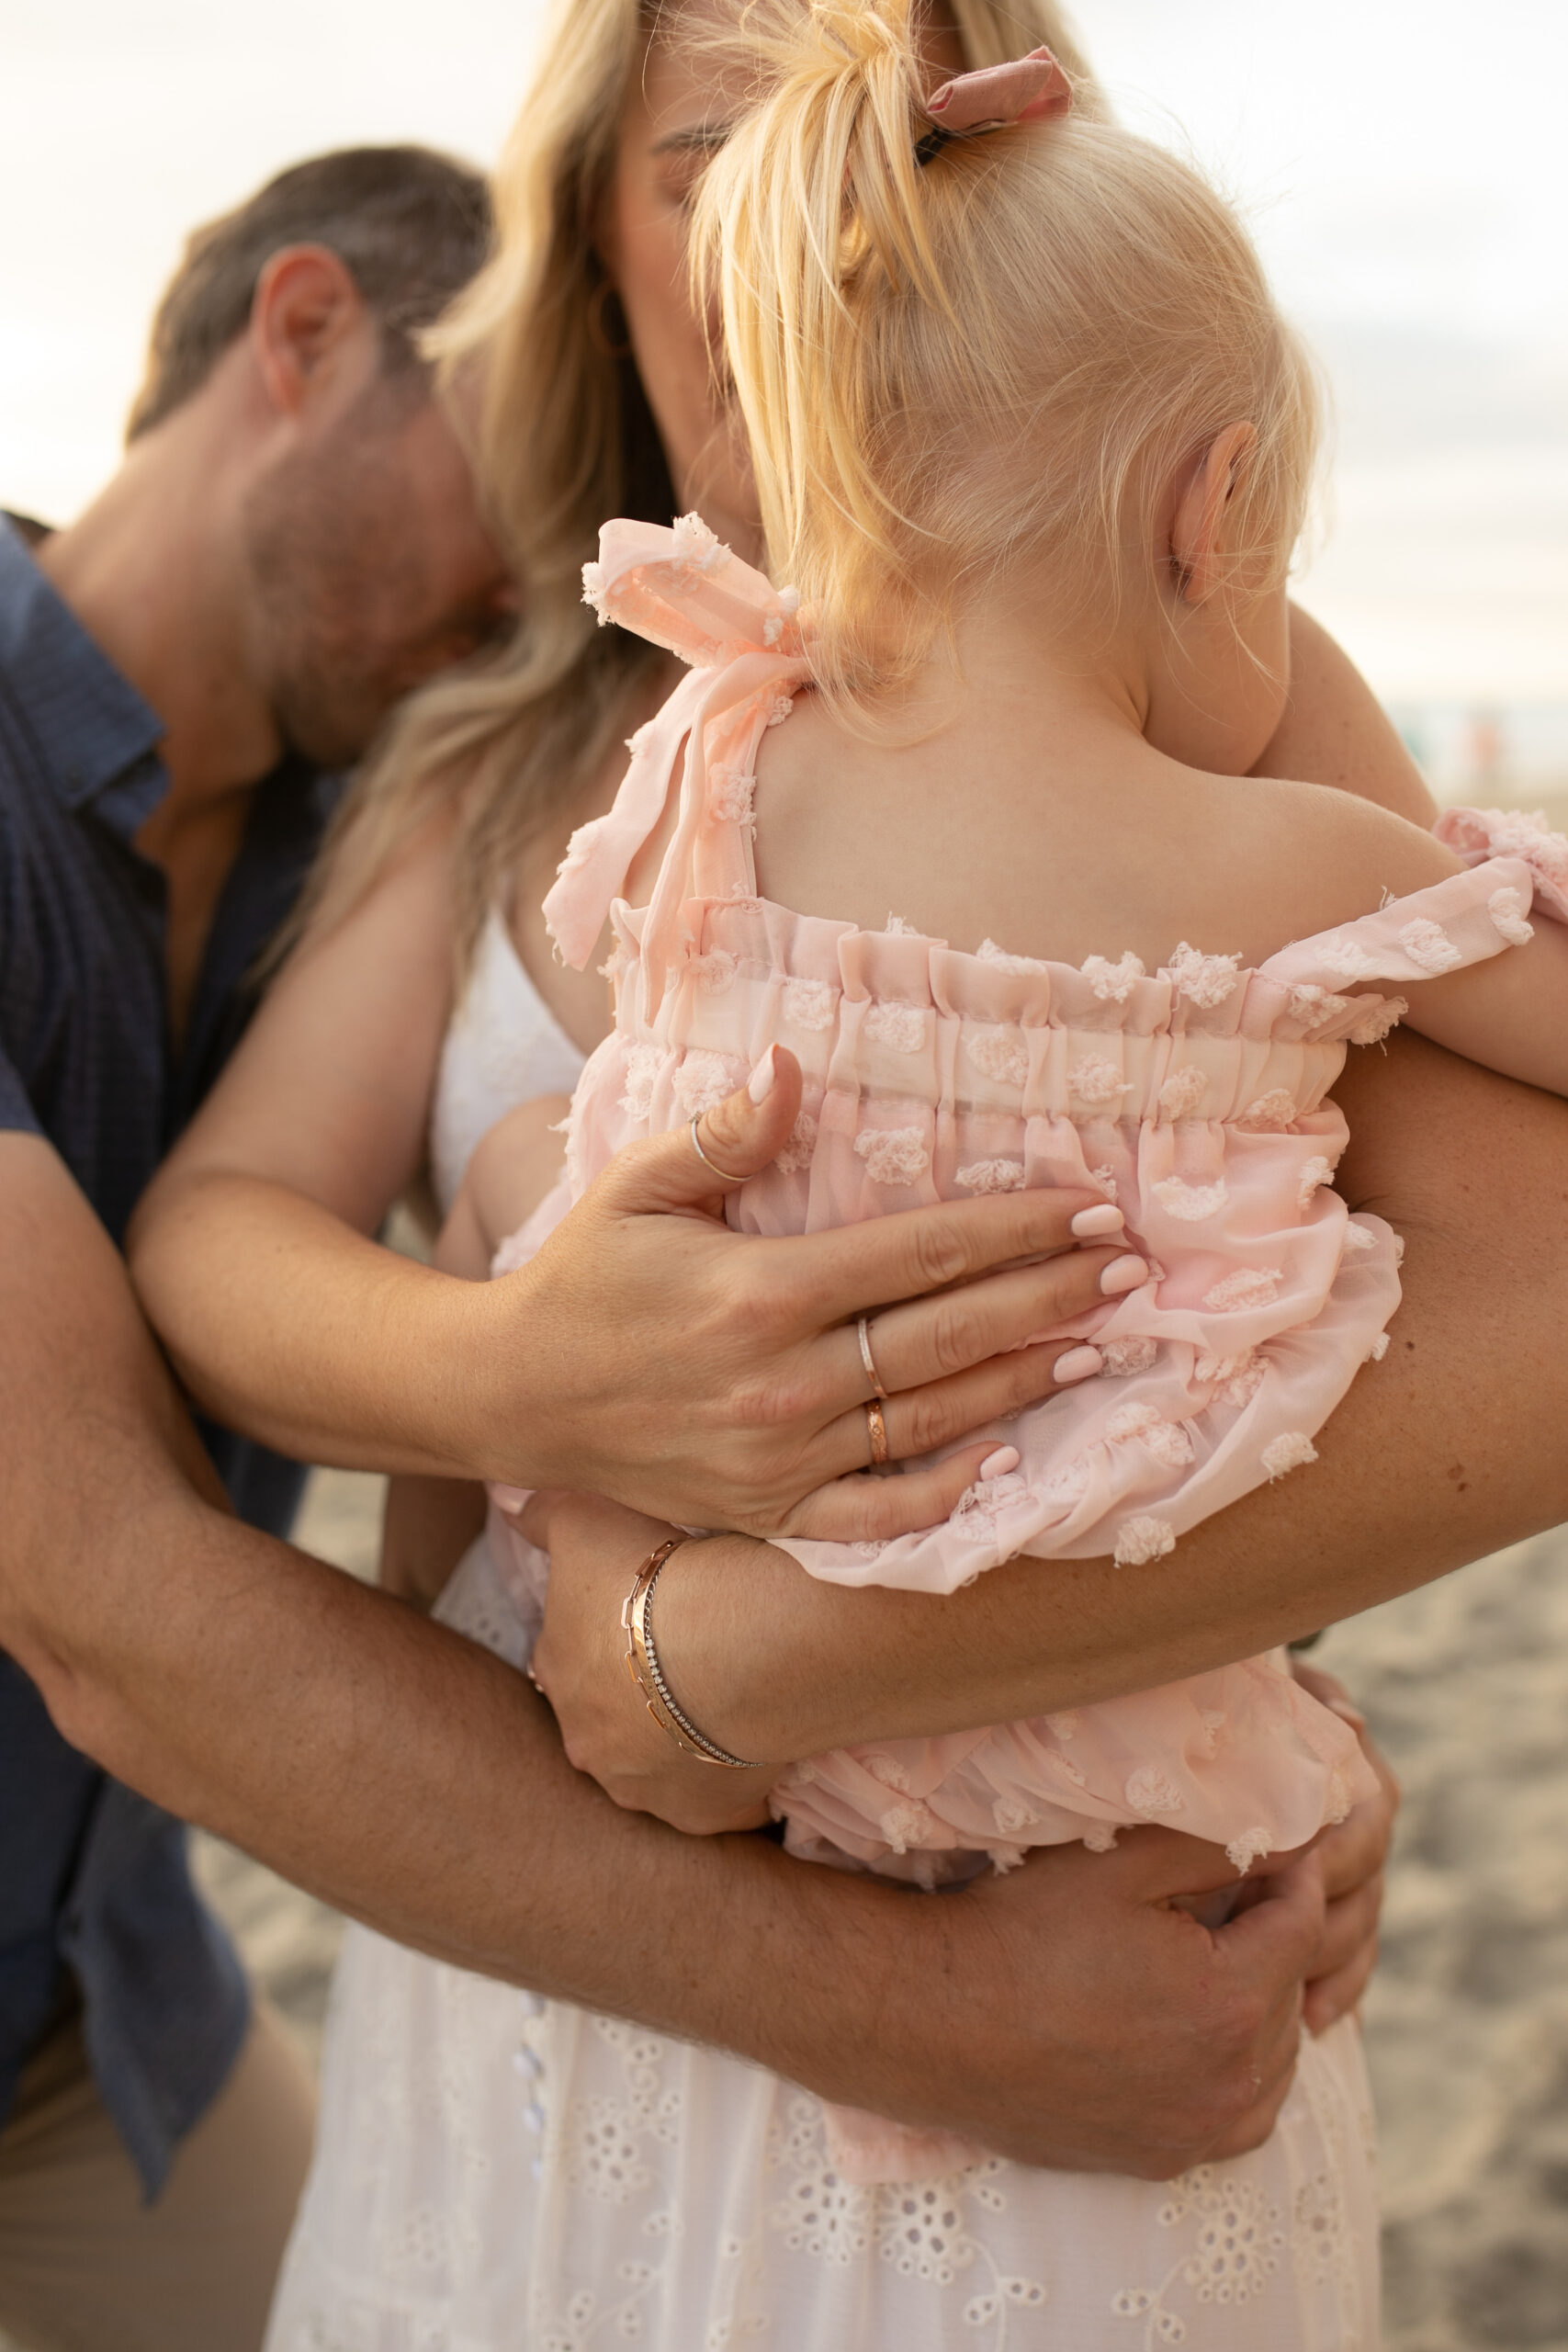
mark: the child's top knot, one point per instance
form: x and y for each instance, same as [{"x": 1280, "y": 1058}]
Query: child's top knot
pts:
[
  {"x": 991, "y": 363},
  {"x": 1028, "y": 89}
]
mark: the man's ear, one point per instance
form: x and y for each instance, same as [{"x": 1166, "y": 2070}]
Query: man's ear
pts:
[
  {"x": 1201, "y": 498},
  {"x": 305, "y": 314}
]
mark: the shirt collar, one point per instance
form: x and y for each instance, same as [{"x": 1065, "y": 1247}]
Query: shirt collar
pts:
[{"x": 91, "y": 726}]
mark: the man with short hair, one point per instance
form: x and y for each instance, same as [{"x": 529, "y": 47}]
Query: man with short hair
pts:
[{"x": 291, "y": 543}]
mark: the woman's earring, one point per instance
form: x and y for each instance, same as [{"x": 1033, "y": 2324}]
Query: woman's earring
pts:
[{"x": 599, "y": 324}]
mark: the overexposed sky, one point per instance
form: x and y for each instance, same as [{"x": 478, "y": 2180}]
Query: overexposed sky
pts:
[
  {"x": 127, "y": 121},
  {"x": 1405, "y": 168},
  {"x": 1406, "y": 172}
]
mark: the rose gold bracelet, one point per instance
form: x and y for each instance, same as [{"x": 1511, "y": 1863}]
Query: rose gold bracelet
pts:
[{"x": 642, "y": 1665}]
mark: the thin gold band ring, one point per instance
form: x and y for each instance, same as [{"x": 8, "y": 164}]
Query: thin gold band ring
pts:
[{"x": 877, "y": 1430}]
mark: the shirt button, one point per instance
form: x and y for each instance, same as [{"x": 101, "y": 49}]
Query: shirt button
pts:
[{"x": 534, "y": 2116}]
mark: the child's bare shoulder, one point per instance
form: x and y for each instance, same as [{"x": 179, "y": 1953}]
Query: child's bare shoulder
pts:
[{"x": 1307, "y": 856}]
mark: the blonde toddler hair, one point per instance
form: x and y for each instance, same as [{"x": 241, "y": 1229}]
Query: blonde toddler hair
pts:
[{"x": 999, "y": 355}]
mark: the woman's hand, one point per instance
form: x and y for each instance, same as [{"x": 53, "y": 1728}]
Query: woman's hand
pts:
[
  {"x": 717, "y": 1376},
  {"x": 579, "y": 1664}
]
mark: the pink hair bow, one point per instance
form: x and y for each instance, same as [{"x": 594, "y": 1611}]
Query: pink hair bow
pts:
[{"x": 1029, "y": 89}]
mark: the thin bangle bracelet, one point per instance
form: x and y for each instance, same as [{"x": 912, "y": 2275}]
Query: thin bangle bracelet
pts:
[{"x": 642, "y": 1665}]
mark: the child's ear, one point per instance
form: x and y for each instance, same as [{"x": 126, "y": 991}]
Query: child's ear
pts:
[{"x": 1203, "y": 495}]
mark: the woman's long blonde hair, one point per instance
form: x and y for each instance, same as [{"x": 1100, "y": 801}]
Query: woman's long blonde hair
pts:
[
  {"x": 565, "y": 440},
  {"x": 1001, "y": 353}
]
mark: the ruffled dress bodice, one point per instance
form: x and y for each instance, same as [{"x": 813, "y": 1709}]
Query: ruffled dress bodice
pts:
[{"x": 1195, "y": 1096}]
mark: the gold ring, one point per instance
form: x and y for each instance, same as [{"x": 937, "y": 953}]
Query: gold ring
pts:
[
  {"x": 722, "y": 1173},
  {"x": 869, "y": 1361},
  {"x": 876, "y": 1430}
]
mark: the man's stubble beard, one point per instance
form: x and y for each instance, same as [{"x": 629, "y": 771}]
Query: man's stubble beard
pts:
[{"x": 328, "y": 554}]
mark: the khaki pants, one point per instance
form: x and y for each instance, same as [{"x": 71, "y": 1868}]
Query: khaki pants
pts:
[{"x": 86, "y": 2267}]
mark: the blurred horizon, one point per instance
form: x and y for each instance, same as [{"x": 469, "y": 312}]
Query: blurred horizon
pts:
[{"x": 1407, "y": 190}]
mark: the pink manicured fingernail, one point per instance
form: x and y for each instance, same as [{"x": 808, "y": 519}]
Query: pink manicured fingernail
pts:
[
  {"x": 997, "y": 1465},
  {"x": 759, "y": 1085},
  {"x": 1078, "y": 1363},
  {"x": 1123, "y": 1274},
  {"x": 1090, "y": 1223}
]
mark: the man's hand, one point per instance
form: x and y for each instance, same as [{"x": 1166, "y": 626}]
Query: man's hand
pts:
[
  {"x": 710, "y": 1376},
  {"x": 1352, "y": 1856},
  {"x": 1141, "y": 2042}
]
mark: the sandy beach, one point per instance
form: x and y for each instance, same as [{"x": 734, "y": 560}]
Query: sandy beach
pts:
[{"x": 1467, "y": 1687}]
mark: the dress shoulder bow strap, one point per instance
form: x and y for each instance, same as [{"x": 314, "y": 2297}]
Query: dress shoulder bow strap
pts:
[{"x": 681, "y": 588}]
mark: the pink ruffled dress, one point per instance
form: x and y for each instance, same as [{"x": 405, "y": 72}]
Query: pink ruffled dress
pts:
[{"x": 1194, "y": 1097}]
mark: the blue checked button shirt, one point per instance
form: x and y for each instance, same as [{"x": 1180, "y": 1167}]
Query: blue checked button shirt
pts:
[{"x": 93, "y": 1883}]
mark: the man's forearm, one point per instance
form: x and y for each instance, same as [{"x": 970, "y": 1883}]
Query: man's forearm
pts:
[
  {"x": 1448, "y": 1449},
  {"x": 416, "y": 1781},
  {"x": 395, "y": 1769},
  {"x": 410, "y": 1779}
]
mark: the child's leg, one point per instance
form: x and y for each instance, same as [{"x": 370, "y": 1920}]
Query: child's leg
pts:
[
  {"x": 514, "y": 1166},
  {"x": 427, "y": 1526},
  {"x": 430, "y": 1523}
]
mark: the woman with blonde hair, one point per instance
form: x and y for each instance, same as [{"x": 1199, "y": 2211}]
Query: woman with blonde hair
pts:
[{"x": 677, "y": 2191}]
